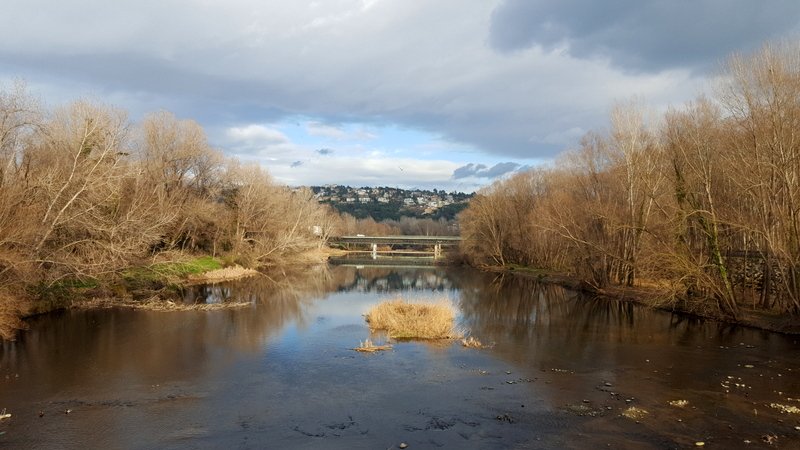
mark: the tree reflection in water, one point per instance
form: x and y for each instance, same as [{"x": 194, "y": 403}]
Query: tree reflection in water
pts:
[
  {"x": 526, "y": 317},
  {"x": 554, "y": 348},
  {"x": 278, "y": 299},
  {"x": 387, "y": 279},
  {"x": 159, "y": 346}
]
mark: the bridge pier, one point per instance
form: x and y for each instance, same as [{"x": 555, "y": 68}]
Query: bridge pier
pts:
[
  {"x": 374, "y": 251},
  {"x": 437, "y": 251}
]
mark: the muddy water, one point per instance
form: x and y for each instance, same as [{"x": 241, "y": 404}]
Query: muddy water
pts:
[{"x": 281, "y": 374}]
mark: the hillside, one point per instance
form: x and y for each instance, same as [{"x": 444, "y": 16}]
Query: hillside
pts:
[{"x": 388, "y": 203}]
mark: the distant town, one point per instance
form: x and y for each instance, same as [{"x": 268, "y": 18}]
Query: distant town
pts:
[{"x": 383, "y": 203}]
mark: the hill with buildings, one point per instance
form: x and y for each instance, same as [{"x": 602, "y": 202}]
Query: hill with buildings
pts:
[{"x": 390, "y": 203}]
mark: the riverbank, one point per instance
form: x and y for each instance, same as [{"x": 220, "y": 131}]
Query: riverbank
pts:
[
  {"x": 650, "y": 297},
  {"x": 154, "y": 285},
  {"x": 154, "y": 303}
]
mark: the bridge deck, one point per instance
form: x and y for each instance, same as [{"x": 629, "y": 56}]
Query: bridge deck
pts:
[{"x": 405, "y": 240}]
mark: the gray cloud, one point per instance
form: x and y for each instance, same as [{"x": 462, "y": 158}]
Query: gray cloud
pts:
[
  {"x": 648, "y": 35},
  {"x": 418, "y": 65},
  {"x": 467, "y": 171},
  {"x": 296, "y": 164},
  {"x": 482, "y": 171},
  {"x": 325, "y": 151}
]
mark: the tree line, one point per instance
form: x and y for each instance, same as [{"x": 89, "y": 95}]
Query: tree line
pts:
[
  {"x": 86, "y": 193},
  {"x": 348, "y": 225},
  {"x": 701, "y": 204}
]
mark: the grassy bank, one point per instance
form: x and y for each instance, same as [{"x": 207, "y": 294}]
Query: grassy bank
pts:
[
  {"x": 105, "y": 208},
  {"x": 151, "y": 286},
  {"x": 168, "y": 273}
]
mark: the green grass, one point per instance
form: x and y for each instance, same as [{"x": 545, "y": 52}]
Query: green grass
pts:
[
  {"x": 169, "y": 271},
  {"x": 167, "y": 275},
  {"x": 184, "y": 268},
  {"x": 60, "y": 294}
]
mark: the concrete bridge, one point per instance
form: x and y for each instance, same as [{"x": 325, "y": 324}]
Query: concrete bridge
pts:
[{"x": 437, "y": 242}]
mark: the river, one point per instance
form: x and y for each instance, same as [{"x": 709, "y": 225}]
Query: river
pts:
[{"x": 562, "y": 371}]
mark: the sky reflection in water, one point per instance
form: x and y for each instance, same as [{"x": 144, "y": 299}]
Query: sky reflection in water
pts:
[{"x": 281, "y": 372}]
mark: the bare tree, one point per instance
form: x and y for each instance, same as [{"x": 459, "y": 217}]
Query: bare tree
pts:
[
  {"x": 180, "y": 165},
  {"x": 693, "y": 140},
  {"x": 635, "y": 152},
  {"x": 761, "y": 96}
]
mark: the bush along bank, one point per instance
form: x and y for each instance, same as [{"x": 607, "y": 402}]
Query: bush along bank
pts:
[
  {"x": 89, "y": 200},
  {"x": 692, "y": 211}
]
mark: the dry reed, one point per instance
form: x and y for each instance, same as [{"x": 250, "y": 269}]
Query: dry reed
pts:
[
  {"x": 155, "y": 304},
  {"x": 368, "y": 347},
  {"x": 635, "y": 413},
  {"x": 224, "y": 274},
  {"x": 471, "y": 342},
  {"x": 400, "y": 319},
  {"x": 679, "y": 403},
  {"x": 785, "y": 408}
]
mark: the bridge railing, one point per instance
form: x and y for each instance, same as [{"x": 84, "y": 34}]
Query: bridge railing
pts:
[{"x": 398, "y": 240}]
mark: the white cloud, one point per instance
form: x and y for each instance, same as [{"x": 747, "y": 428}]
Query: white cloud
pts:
[
  {"x": 362, "y": 171},
  {"x": 297, "y": 164},
  {"x": 255, "y": 136},
  {"x": 320, "y": 129},
  {"x": 436, "y": 67}
]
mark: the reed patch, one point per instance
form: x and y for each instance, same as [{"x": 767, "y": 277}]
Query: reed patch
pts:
[
  {"x": 155, "y": 303},
  {"x": 401, "y": 319},
  {"x": 223, "y": 274}
]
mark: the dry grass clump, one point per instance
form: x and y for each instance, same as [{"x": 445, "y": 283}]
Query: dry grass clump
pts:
[
  {"x": 368, "y": 347},
  {"x": 785, "y": 408},
  {"x": 679, "y": 403},
  {"x": 155, "y": 304},
  {"x": 419, "y": 320},
  {"x": 471, "y": 342},
  {"x": 224, "y": 274},
  {"x": 635, "y": 413}
]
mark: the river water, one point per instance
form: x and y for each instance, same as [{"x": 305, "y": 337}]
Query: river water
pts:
[{"x": 562, "y": 372}]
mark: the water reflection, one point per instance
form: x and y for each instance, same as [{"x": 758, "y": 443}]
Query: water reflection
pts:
[
  {"x": 578, "y": 344},
  {"x": 518, "y": 309},
  {"x": 376, "y": 279},
  {"x": 268, "y": 288},
  {"x": 538, "y": 324},
  {"x": 365, "y": 259},
  {"x": 294, "y": 341},
  {"x": 167, "y": 345}
]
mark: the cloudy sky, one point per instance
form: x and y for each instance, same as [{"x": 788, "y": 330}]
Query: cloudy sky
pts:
[{"x": 447, "y": 93}]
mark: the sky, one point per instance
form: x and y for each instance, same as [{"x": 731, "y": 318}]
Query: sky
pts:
[{"x": 447, "y": 94}]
